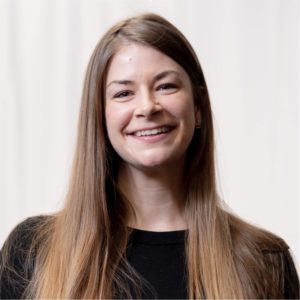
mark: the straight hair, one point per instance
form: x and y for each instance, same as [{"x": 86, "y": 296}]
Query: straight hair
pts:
[{"x": 80, "y": 252}]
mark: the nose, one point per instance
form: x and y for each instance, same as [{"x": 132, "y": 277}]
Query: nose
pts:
[{"x": 147, "y": 105}]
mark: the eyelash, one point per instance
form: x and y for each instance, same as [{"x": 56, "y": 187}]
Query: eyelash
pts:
[
  {"x": 121, "y": 94},
  {"x": 164, "y": 86}
]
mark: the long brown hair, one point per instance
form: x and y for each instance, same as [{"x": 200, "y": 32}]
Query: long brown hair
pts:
[{"x": 81, "y": 250}]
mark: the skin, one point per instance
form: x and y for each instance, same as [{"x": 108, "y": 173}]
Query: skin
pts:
[{"x": 147, "y": 89}]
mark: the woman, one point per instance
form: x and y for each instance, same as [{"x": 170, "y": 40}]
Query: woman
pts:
[{"x": 142, "y": 217}]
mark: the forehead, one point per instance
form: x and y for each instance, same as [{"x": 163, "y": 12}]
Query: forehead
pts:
[{"x": 135, "y": 60}]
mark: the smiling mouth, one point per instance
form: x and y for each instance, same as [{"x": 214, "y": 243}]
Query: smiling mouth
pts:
[{"x": 152, "y": 132}]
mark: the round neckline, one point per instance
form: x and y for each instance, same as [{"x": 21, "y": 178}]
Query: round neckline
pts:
[{"x": 140, "y": 236}]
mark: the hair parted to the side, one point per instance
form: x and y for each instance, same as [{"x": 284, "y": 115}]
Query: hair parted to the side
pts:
[{"x": 81, "y": 250}]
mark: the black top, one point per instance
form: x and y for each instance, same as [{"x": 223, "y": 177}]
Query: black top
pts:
[{"x": 159, "y": 257}]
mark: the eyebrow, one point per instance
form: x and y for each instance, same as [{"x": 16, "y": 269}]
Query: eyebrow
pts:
[{"x": 157, "y": 77}]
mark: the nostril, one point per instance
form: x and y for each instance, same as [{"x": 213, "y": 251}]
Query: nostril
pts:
[{"x": 148, "y": 110}]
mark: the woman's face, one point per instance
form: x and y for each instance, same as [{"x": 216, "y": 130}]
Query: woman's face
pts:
[{"x": 149, "y": 107}]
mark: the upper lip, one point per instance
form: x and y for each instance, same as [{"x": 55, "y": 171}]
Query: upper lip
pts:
[{"x": 150, "y": 128}]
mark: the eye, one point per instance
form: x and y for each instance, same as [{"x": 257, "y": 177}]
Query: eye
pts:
[
  {"x": 167, "y": 87},
  {"x": 123, "y": 94}
]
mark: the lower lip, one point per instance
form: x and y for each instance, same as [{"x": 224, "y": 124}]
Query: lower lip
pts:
[{"x": 152, "y": 138}]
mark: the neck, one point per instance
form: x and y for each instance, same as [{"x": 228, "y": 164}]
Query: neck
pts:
[{"x": 156, "y": 197}]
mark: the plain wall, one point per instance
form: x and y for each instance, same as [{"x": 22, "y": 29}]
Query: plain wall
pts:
[{"x": 249, "y": 51}]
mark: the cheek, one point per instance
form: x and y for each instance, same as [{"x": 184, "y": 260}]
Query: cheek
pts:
[
  {"x": 117, "y": 116},
  {"x": 183, "y": 110}
]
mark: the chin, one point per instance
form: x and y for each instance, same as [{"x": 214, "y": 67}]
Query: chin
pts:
[
  {"x": 149, "y": 164},
  {"x": 155, "y": 163}
]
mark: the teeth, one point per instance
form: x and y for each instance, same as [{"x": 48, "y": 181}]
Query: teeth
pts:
[{"x": 152, "y": 131}]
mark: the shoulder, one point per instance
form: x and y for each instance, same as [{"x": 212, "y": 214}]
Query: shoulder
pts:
[
  {"x": 17, "y": 256},
  {"x": 20, "y": 238},
  {"x": 26, "y": 228},
  {"x": 251, "y": 237},
  {"x": 281, "y": 267},
  {"x": 265, "y": 255}
]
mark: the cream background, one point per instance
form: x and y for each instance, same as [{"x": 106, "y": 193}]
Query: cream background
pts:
[{"x": 249, "y": 51}]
